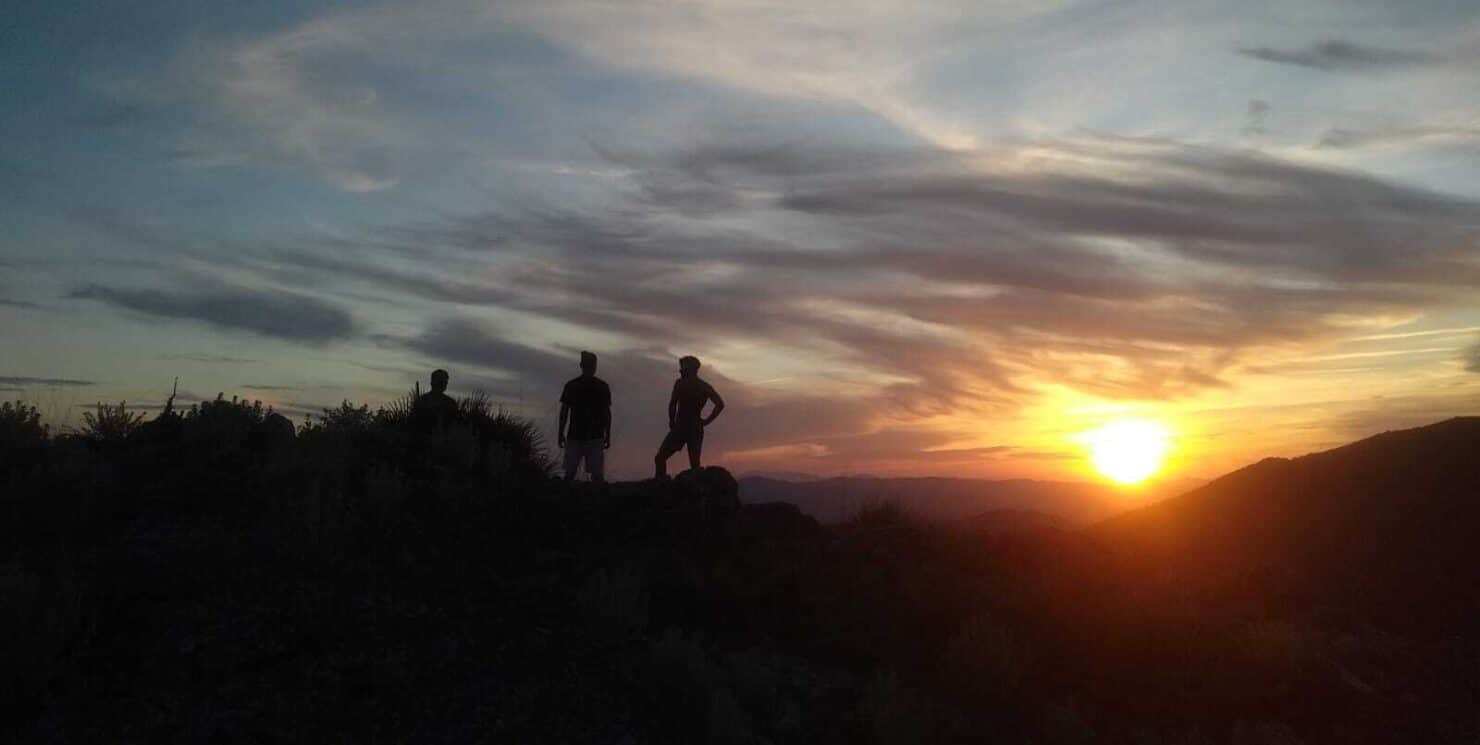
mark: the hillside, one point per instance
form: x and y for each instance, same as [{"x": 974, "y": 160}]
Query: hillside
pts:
[
  {"x": 1378, "y": 529},
  {"x": 835, "y": 500},
  {"x": 195, "y": 579}
]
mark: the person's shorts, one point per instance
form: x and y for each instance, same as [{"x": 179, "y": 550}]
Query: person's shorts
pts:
[
  {"x": 681, "y": 437},
  {"x": 591, "y": 451}
]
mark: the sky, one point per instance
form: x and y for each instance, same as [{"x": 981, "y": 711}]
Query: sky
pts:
[{"x": 904, "y": 238}]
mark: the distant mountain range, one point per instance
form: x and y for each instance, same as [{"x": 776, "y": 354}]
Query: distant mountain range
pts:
[{"x": 832, "y": 500}]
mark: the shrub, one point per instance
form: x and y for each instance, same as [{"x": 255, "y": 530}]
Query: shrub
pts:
[
  {"x": 346, "y": 418},
  {"x": 396, "y": 413},
  {"x": 110, "y": 423},
  {"x": 221, "y": 422},
  {"x": 23, "y": 437},
  {"x": 519, "y": 440}
]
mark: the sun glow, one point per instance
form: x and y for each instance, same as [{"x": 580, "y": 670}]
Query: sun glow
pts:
[{"x": 1128, "y": 451}]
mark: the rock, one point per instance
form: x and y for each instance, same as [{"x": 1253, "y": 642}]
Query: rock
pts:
[{"x": 715, "y": 488}]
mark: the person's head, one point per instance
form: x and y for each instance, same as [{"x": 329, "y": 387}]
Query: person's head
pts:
[
  {"x": 588, "y": 363},
  {"x": 439, "y": 381},
  {"x": 688, "y": 366}
]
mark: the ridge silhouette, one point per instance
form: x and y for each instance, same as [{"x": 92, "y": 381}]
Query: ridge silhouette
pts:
[{"x": 369, "y": 579}]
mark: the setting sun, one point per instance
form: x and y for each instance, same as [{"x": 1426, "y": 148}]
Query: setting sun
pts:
[{"x": 1128, "y": 451}]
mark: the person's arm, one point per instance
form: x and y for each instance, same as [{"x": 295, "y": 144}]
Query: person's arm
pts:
[
  {"x": 673, "y": 407},
  {"x": 564, "y": 417},
  {"x": 719, "y": 405}
]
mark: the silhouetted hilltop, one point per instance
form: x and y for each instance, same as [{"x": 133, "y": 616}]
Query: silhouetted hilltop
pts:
[
  {"x": 838, "y": 499},
  {"x": 1384, "y": 528},
  {"x": 212, "y": 576}
]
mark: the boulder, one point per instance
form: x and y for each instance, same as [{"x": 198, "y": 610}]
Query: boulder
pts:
[{"x": 714, "y": 488}]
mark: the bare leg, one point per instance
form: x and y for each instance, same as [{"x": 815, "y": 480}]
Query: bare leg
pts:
[{"x": 696, "y": 446}]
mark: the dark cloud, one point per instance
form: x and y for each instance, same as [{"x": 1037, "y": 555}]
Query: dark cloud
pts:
[
  {"x": 51, "y": 382},
  {"x": 17, "y": 303},
  {"x": 461, "y": 340},
  {"x": 273, "y": 313},
  {"x": 1472, "y": 358},
  {"x": 271, "y": 388},
  {"x": 1343, "y": 56}
]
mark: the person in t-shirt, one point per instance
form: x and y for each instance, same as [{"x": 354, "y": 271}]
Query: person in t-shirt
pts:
[
  {"x": 435, "y": 411},
  {"x": 586, "y": 405},
  {"x": 686, "y": 420}
]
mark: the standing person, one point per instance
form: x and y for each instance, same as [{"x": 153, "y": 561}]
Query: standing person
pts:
[
  {"x": 686, "y": 420},
  {"x": 435, "y": 411},
  {"x": 586, "y": 404}
]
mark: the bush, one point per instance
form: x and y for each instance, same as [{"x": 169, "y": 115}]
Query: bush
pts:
[
  {"x": 110, "y": 423},
  {"x": 22, "y": 436},
  {"x": 346, "y": 418}
]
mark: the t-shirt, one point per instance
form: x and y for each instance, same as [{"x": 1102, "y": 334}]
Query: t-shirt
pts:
[
  {"x": 434, "y": 412},
  {"x": 692, "y": 394},
  {"x": 590, "y": 402}
]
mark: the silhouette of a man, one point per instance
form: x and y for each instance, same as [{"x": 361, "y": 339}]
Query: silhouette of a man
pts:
[
  {"x": 686, "y": 420},
  {"x": 435, "y": 411},
  {"x": 586, "y": 405}
]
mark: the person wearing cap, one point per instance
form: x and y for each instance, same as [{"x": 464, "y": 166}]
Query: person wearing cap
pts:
[
  {"x": 686, "y": 420},
  {"x": 586, "y": 406},
  {"x": 435, "y": 411}
]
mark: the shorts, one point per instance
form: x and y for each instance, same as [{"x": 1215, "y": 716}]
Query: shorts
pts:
[
  {"x": 680, "y": 437},
  {"x": 591, "y": 451}
]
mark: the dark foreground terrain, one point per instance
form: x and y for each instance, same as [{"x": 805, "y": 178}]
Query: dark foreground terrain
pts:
[{"x": 213, "y": 578}]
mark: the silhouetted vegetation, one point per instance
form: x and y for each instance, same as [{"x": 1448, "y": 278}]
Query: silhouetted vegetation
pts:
[{"x": 207, "y": 575}]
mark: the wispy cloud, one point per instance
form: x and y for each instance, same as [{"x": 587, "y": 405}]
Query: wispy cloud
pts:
[
  {"x": 932, "y": 283},
  {"x": 224, "y": 359},
  {"x": 1339, "y": 138},
  {"x": 22, "y": 381},
  {"x": 1343, "y": 56},
  {"x": 273, "y": 313},
  {"x": 1472, "y": 358}
]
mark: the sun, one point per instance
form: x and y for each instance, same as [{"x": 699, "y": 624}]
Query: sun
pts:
[{"x": 1128, "y": 451}]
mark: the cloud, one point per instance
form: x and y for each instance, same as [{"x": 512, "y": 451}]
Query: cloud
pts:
[
  {"x": 1344, "y": 57},
  {"x": 462, "y": 340},
  {"x": 272, "y": 313},
  {"x": 211, "y": 358},
  {"x": 1338, "y": 138},
  {"x": 309, "y": 98},
  {"x": 50, "y": 382},
  {"x": 1472, "y": 358},
  {"x": 927, "y": 282},
  {"x": 271, "y": 388},
  {"x": 17, "y": 303},
  {"x": 920, "y": 284}
]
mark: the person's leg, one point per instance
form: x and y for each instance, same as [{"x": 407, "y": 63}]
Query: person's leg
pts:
[
  {"x": 696, "y": 446},
  {"x": 572, "y": 459},
  {"x": 671, "y": 444},
  {"x": 596, "y": 461}
]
